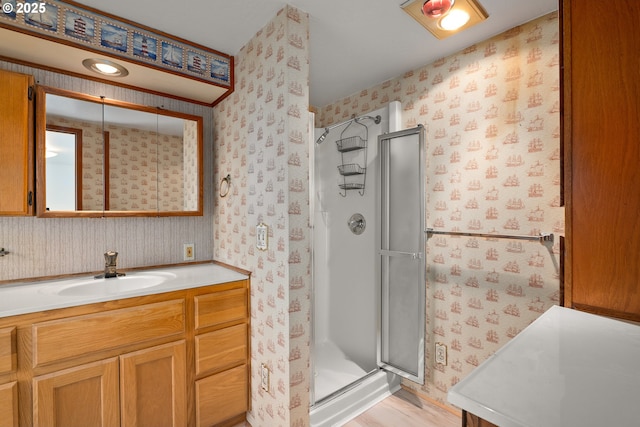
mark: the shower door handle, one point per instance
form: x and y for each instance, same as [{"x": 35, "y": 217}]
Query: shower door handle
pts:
[{"x": 413, "y": 255}]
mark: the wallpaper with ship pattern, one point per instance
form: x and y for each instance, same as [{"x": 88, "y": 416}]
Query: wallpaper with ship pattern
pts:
[
  {"x": 262, "y": 142},
  {"x": 491, "y": 114},
  {"x": 493, "y": 165}
]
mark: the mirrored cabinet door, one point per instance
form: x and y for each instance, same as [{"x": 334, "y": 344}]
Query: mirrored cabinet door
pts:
[
  {"x": 99, "y": 157},
  {"x": 73, "y": 156}
]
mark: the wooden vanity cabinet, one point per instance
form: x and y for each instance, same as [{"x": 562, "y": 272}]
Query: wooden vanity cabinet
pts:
[
  {"x": 9, "y": 404},
  {"x": 144, "y": 388},
  {"x": 16, "y": 144},
  {"x": 8, "y": 383},
  {"x": 221, "y": 356},
  {"x": 86, "y": 395},
  {"x": 132, "y": 363},
  {"x": 153, "y": 386}
]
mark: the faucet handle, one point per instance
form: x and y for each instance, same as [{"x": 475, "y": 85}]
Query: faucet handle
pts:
[{"x": 110, "y": 257}]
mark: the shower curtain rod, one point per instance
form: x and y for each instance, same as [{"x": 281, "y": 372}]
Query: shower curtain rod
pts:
[{"x": 543, "y": 238}]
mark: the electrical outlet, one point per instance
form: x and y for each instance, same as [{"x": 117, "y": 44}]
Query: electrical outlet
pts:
[
  {"x": 441, "y": 353},
  {"x": 189, "y": 252},
  {"x": 264, "y": 377}
]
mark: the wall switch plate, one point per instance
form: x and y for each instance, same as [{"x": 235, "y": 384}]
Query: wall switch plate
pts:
[
  {"x": 264, "y": 377},
  {"x": 189, "y": 252},
  {"x": 262, "y": 236},
  {"x": 441, "y": 353}
]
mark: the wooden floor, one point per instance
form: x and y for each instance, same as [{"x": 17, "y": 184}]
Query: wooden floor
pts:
[{"x": 403, "y": 409}]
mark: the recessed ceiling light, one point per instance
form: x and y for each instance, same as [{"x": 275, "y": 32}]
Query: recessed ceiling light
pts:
[{"x": 105, "y": 67}]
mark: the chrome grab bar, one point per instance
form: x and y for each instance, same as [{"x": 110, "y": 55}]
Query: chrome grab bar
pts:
[
  {"x": 543, "y": 238},
  {"x": 413, "y": 255}
]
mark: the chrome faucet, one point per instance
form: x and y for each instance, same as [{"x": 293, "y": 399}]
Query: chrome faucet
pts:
[{"x": 110, "y": 260}]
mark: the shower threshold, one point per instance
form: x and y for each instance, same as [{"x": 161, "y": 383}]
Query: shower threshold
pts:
[{"x": 352, "y": 400}]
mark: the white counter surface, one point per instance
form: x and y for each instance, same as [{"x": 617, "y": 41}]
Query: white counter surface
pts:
[
  {"x": 566, "y": 369},
  {"x": 25, "y": 298}
]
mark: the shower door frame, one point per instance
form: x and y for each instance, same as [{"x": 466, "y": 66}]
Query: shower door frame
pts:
[{"x": 387, "y": 254}]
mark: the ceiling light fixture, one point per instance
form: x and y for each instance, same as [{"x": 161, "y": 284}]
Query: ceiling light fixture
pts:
[
  {"x": 105, "y": 67},
  {"x": 443, "y": 18},
  {"x": 436, "y": 8},
  {"x": 454, "y": 20}
]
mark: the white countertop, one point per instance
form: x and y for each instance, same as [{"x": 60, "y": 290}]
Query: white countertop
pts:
[
  {"x": 566, "y": 369},
  {"x": 33, "y": 297}
]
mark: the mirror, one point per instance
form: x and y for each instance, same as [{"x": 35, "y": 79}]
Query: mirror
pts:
[{"x": 100, "y": 157}]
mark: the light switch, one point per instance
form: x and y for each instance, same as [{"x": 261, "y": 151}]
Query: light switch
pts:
[{"x": 262, "y": 236}]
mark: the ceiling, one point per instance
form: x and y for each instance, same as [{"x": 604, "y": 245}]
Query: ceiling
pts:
[{"x": 354, "y": 44}]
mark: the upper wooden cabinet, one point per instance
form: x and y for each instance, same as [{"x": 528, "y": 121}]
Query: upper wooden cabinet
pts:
[
  {"x": 601, "y": 135},
  {"x": 16, "y": 144}
]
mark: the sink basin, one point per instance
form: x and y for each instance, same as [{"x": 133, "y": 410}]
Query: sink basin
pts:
[{"x": 112, "y": 286}]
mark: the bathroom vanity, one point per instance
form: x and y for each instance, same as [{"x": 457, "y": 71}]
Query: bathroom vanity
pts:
[
  {"x": 568, "y": 368},
  {"x": 172, "y": 351}
]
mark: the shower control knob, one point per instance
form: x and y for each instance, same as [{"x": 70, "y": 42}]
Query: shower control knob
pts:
[{"x": 357, "y": 224}]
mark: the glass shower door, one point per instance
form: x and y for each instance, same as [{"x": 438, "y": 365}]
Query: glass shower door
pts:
[{"x": 402, "y": 246}]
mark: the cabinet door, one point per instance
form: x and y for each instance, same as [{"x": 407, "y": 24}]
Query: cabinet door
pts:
[
  {"x": 8, "y": 351},
  {"x": 84, "y": 396},
  {"x": 153, "y": 387},
  {"x": 602, "y": 138},
  {"x": 16, "y": 144},
  {"x": 470, "y": 420},
  {"x": 221, "y": 396},
  {"x": 9, "y": 405}
]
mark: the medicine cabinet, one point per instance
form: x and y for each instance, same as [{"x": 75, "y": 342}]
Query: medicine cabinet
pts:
[{"x": 102, "y": 157}]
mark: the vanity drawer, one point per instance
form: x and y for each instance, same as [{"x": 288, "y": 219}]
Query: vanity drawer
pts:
[
  {"x": 222, "y": 396},
  {"x": 8, "y": 352},
  {"x": 70, "y": 337},
  {"x": 221, "y": 349},
  {"x": 220, "y": 307}
]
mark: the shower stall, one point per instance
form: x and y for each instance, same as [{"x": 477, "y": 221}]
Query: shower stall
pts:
[{"x": 368, "y": 311}]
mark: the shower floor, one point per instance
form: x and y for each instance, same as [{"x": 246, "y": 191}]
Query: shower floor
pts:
[{"x": 334, "y": 370}]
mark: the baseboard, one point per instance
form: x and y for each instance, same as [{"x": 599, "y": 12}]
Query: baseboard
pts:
[{"x": 455, "y": 411}]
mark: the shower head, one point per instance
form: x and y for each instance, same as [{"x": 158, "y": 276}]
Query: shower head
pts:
[{"x": 323, "y": 136}]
